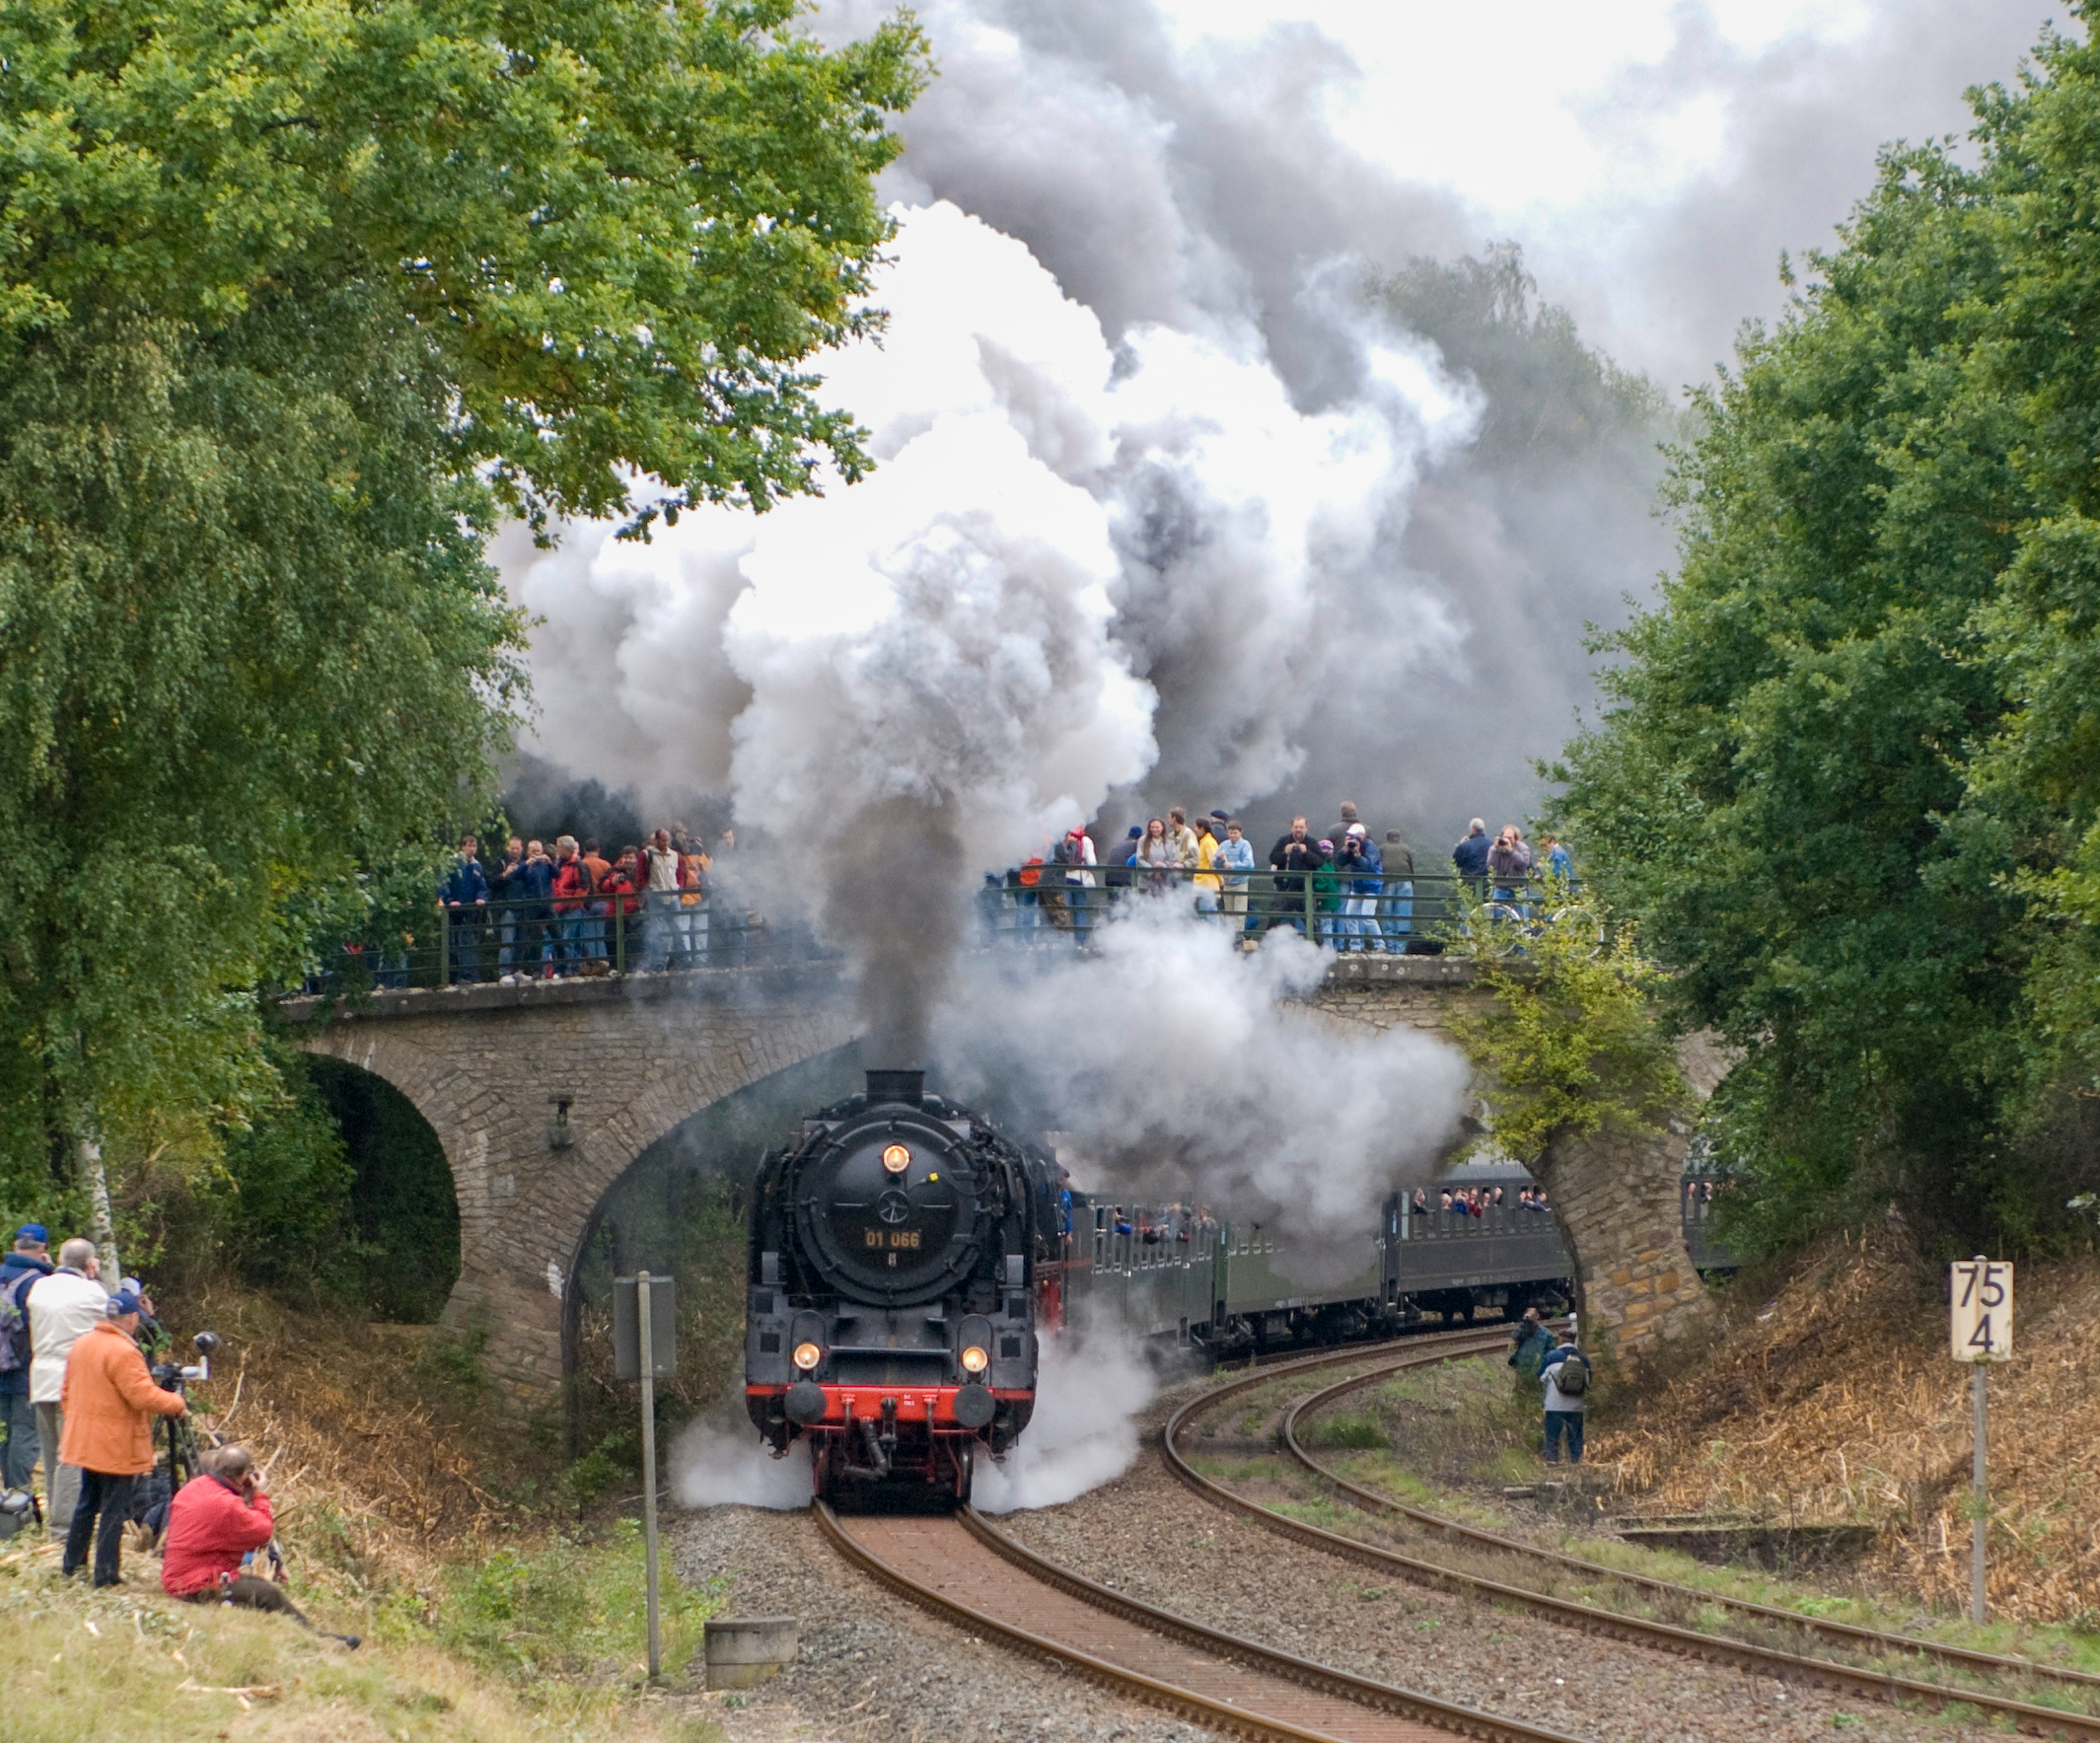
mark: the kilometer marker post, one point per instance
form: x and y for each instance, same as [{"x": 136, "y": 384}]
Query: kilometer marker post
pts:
[{"x": 1980, "y": 1332}]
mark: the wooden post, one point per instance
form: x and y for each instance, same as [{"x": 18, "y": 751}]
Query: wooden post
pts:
[{"x": 1980, "y": 1332}]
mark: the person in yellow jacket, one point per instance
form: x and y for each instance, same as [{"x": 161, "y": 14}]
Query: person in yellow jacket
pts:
[
  {"x": 108, "y": 1404},
  {"x": 1207, "y": 882}
]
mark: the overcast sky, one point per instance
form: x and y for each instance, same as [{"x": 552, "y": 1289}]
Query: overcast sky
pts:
[{"x": 1652, "y": 158}]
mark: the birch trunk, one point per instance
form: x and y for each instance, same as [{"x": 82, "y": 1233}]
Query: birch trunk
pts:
[{"x": 95, "y": 1182}]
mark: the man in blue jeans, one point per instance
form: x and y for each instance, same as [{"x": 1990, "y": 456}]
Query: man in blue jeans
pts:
[
  {"x": 18, "y": 1271},
  {"x": 1566, "y": 1374}
]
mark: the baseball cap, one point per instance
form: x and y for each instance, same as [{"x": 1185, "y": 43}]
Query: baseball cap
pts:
[
  {"x": 1357, "y": 828},
  {"x": 122, "y": 1302},
  {"x": 34, "y": 1231}
]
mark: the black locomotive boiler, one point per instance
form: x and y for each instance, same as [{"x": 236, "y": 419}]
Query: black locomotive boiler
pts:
[{"x": 904, "y": 1258}]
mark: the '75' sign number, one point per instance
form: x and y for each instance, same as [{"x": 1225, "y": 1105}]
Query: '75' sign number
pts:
[{"x": 1982, "y": 1310}]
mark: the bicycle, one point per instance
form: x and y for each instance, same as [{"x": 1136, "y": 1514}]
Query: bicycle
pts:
[{"x": 1510, "y": 926}]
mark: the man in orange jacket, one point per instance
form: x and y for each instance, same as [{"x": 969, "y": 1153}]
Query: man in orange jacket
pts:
[{"x": 108, "y": 1404}]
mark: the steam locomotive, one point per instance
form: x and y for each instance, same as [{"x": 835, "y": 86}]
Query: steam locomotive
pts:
[{"x": 904, "y": 1257}]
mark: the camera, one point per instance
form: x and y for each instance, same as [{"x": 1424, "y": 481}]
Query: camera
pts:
[{"x": 168, "y": 1375}]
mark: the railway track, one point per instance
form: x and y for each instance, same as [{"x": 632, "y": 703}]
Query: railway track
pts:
[
  {"x": 966, "y": 1570},
  {"x": 1791, "y": 1666}
]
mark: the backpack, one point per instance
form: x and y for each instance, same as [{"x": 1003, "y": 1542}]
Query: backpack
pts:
[
  {"x": 14, "y": 1334},
  {"x": 1572, "y": 1374}
]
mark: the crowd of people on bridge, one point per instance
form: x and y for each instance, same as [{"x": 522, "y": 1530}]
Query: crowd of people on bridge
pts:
[
  {"x": 574, "y": 912},
  {"x": 1348, "y": 890},
  {"x": 537, "y": 911}
]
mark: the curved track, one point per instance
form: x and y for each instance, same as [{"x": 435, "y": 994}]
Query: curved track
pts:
[
  {"x": 1789, "y": 1666},
  {"x": 970, "y": 1572}
]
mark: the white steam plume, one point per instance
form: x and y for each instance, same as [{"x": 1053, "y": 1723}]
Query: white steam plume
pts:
[
  {"x": 1180, "y": 1063},
  {"x": 716, "y": 1462},
  {"x": 935, "y": 667},
  {"x": 1089, "y": 1388}
]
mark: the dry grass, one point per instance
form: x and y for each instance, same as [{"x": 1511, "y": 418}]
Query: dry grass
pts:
[
  {"x": 414, "y": 1510},
  {"x": 1832, "y": 1397},
  {"x": 133, "y": 1663},
  {"x": 385, "y": 1450}
]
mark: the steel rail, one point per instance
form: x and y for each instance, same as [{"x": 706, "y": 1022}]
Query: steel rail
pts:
[
  {"x": 1639, "y": 1631},
  {"x": 1183, "y": 1703},
  {"x": 1850, "y": 1634}
]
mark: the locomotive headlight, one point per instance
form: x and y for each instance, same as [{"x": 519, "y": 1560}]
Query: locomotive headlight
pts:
[
  {"x": 806, "y": 1357},
  {"x": 897, "y": 1158},
  {"x": 975, "y": 1359}
]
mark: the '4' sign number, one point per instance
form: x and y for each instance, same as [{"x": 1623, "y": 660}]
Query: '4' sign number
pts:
[{"x": 1982, "y": 1310}]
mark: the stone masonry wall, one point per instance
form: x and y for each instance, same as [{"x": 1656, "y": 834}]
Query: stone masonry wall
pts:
[
  {"x": 1617, "y": 1197},
  {"x": 636, "y": 1056},
  {"x": 485, "y": 1064}
]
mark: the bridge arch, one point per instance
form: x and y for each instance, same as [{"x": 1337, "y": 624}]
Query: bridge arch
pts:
[
  {"x": 678, "y": 1209},
  {"x": 544, "y": 1095}
]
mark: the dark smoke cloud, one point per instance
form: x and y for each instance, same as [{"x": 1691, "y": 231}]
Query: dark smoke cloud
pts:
[
  {"x": 1200, "y": 192},
  {"x": 1203, "y": 189}
]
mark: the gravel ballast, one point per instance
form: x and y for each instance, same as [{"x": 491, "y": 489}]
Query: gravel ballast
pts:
[
  {"x": 873, "y": 1666},
  {"x": 1149, "y": 1536}
]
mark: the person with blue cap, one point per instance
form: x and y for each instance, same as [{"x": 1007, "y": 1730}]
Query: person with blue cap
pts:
[
  {"x": 28, "y": 1262},
  {"x": 109, "y": 1402}
]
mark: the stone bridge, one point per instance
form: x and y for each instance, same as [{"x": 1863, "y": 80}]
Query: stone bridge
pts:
[{"x": 545, "y": 1094}]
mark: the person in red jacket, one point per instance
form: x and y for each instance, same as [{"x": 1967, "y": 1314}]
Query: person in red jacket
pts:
[{"x": 214, "y": 1520}]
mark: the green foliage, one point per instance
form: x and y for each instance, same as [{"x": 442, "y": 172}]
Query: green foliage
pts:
[
  {"x": 399, "y": 1216},
  {"x": 569, "y": 1608},
  {"x": 1546, "y": 395},
  {"x": 1569, "y": 1044},
  {"x": 337, "y": 1195},
  {"x": 288, "y": 1178},
  {"x": 294, "y": 303},
  {"x": 1844, "y": 779},
  {"x": 614, "y": 228}
]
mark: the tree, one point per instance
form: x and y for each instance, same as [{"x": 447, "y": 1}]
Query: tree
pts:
[
  {"x": 1844, "y": 773},
  {"x": 294, "y": 301}
]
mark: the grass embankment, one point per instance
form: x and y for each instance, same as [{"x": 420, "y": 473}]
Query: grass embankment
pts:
[
  {"x": 1828, "y": 1395},
  {"x": 415, "y": 1509}
]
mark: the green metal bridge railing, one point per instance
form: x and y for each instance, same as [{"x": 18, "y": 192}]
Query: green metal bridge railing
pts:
[{"x": 1030, "y": 907}]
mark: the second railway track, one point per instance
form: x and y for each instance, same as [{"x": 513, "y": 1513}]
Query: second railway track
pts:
[{"x": 1790, "y": 1666}]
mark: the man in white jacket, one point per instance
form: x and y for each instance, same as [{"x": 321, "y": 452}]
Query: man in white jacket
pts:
[{"x": 61, "y": 1307}]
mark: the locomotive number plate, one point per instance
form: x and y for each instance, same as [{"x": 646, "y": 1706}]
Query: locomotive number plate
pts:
[{"x": 896, "y": 1239}]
